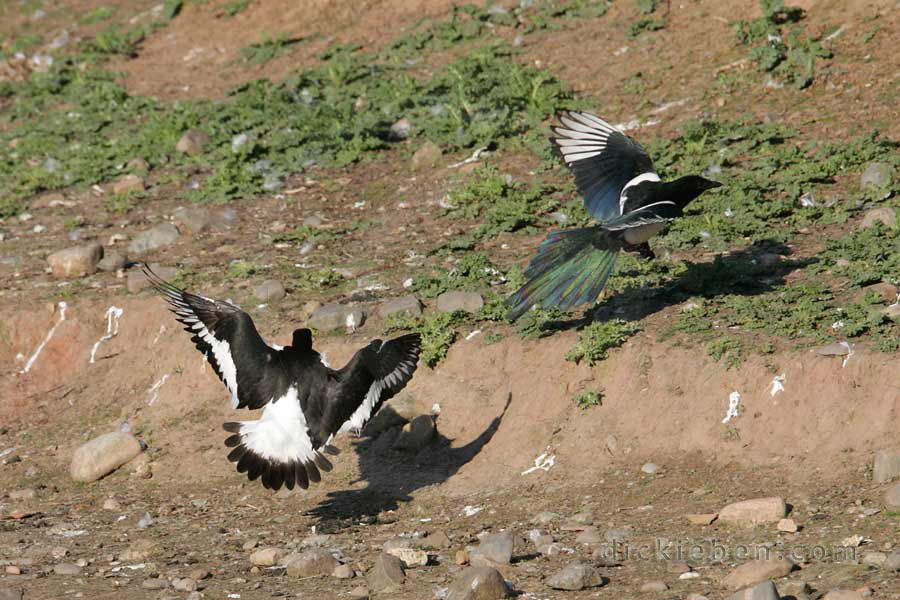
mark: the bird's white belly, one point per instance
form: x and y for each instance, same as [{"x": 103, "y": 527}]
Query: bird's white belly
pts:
[{"x": 639, "y": 235}]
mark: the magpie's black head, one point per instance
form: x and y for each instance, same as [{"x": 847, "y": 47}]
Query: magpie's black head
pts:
[
  {"x": 302, "y": 340},
  {"x": 684, "y": 189}
]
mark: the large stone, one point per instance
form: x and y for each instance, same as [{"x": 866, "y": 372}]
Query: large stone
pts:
[
  {"x": 311, "y": 562},
  {"x": 160, "y": 236},
  {"x": 138, "y": 281},
  {"x": 892, "y": 496},
  {"x": 839, "y": 594},
  {"x": 761, "y": 591},
  {"x": 404, "y": 305},
  {"x": 877, "y": 175},
  {"x": 103, "y": 455},
  {"x": 426, "y": 156},
  {"x": 195, "y": 219},
  {"x": 67, "y": 569},
  {"x": 140, "y": 550},
  {"x": 75, "y": 262},
  {"x": 396, "y": 412},
  {"x": 887, "y": 291},
  {"x": 416, "y": 434},
  {"x": 386, "y": 574},
  {"x": 755, "y": 571},
  {"x": 270, "y": 290},
  {"x": 887, "y": 465},
  {"x": 754, "y": 512},
  {"x": 576, "y": 576},
  {"x": 336, "y": 316},
  {"x": 497, "y": 547},
  {"x": 882, "y": 214},
  {"x": 470, "y": 302},
  {"x": 266, "y": 557},
  {"x": 478, "y": 583},
  {"x": 435, "y": 541},
  {"x": 410, "y": 556},
  {"x": 128, "y": 184},
  {"x": 112, "y": 260},
  {"x": 192, "y": 142}
]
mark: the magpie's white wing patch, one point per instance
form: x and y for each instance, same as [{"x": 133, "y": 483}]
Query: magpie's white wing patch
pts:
[
  {"x": 277, "y": 447},
  {"x": 643, "y": 177}
]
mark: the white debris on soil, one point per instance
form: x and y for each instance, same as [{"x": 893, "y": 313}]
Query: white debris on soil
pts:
[
  {"x": 542, "y": 463},
  {"x": 778, "y": 384},
  {"x": 470, "y": 511},
  {"x": 733, "y": 401},
  {"x": 475, "y": 156},
  {"x": 849, "y": 348},
  {"x": 113, "y": 314},
  {"x": 154, "y": 389},
  {"x": 145, "y": 521},
  {"x": 162, "y": 330},
  {"x": 37, "y": 352},
  {"x": 473, "y": 334},
  {"x": 435, "y": 409}
]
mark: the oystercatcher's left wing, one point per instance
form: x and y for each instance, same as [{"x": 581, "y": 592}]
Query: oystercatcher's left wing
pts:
[{"x": 228, "y": 339}]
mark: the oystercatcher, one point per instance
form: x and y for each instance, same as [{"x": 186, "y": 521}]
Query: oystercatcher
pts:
[
  {"x": 304, "y": 402},
  {"x": 621, "y": 190}
]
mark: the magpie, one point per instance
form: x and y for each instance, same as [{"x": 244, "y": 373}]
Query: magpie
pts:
[
  {"x": 622, "y": 191},
  {"x": 304, "y": 402}
]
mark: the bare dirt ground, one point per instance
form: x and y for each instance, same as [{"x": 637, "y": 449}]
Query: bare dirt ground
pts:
[{"x": 505, "y": 407}]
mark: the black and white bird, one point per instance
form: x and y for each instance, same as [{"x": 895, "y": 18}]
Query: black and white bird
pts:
[
  {"x": 304, "y": 402},
  {"x": 622, "y": 191}
]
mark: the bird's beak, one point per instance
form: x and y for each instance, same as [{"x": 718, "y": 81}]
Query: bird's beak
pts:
[{"x": 710, "y": 184}]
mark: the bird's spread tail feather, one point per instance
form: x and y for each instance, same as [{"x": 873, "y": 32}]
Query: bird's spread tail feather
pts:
[{"x": 568, "y": 270}]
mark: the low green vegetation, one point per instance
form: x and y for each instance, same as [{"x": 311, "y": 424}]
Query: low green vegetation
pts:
[
  {"x": 438, "y": 331},
  {"x": 588, "y": 399},
  {"x": 596, "y": 339},
  {"x": 268, "y": 48}
]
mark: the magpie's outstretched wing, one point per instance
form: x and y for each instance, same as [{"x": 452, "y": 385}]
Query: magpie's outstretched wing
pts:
[
  {"x": 227, "y": 338},
  {"x": 602, "y": 159},
  {"x": 376, "y": 373},
  {"x": 658, "y": 212}
]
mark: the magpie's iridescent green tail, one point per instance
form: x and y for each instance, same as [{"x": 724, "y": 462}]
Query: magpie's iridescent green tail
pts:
[{"x": 570, "y": 268}]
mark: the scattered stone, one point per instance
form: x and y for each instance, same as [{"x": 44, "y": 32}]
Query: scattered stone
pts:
[
  {"x": 478, "y": 583},
  {"x": 195, "y": 219},
  {"x": 892, "y": 562},
  {"x": 617, "y": 534},
  {"x": 435, "y": 541},
  {"x": 138, "y": 165},
  {"x": 545, "y": 517},
  {"x": 128, "y": 184},
  {"x": 314, "y": 561},
  {"x": 794, "y": 588},
  {"x": 266, "y": 557},
  {"x": 269, "y": 290},
  {"x": 103, "y": 455},
  {"x": 497, "y": 547},
  {"x": 416, "y": 434},
  {"x": 678, "y": 567},
  {"x": 887, "y": 465},
  {"x": 342, "y": 572},
  {"x": 589, "y": 535},
  {"x": 360, "y": 593},
  {"x": 835, "y": 349},
  {"x": 410, "y": 556},
  {"x": 704, "y": 519},
  {"x": 404, "y": 305},
  {"x": 77, "y": 261},
  {"x": 336, "y": 316},
  {"x": 649, "y": 468},
  {"x": 386, "y": 573},
  {"x": 250, "y": 544},
  {"x": 461, "y": 557},
  {"x": 887, "y": 291},
  {"x": 67, "y": 569},
  {"x": 155, "y": 583},
  {"x": 11, "y": 570},
  {"x": 198, "y": 574},
  {"x": 753, "y": 512},
  {"x": 654, "y": 586},
  {"x": 139, "y": 550},
  {"x": 400, "y": 130},
  {"x": 160, "y": 236},
  {"x": 427, "y": 155},
  {"x": 576, "y": 576},
  {"x": 137, "y": 281},
  {"x": 762, "y": 591},
  {"x": 875, "y": 559},
  {"x": 470, "y": 302},
  {"x": 192, "y": 142},
  {"x": 396, "y": 412},
  {"x": 892, "y": 496},
  {"x": 184, "y": 584},
  {"x": 877, "y": 175},
  {"x": 112, "y": 261},
  {"x": 839, "y": 594},
  {"x": 882, "y": 214},
  {"x": 755, "y": 571},
  {"x": 787, "y": 525},
  {"x": 25, "y": 494}
]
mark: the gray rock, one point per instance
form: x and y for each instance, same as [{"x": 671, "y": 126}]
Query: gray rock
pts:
[
  {"x": 399, "y": 130},
  {"x": 892, "y": 496},
  {"x": 542, "y": 518},
  {"x": 314, "y": 561},
  {"x": 404, "y": 305},
  {"x": 839, "y": 594},
  {"x": 882, "y": 214},
  {"x": 155, "y": 583},
  {"x": 755, "y": 571},
  {"x": 875, "y": 559},
  {"x": 360, "y": 592},
  {"x": 103, "y": 455},
  {"x": 138, "y": 281},
  {"x": 892, "y": 562},
  {"x": 75, "y": 262},
  {"x": 877, "y": 175},
  {"x": 386, "y": 574},
  {"x": 266, "y": 557},
  {"x": 589, "y": 535},
  {"x": 269, "y": 290},
  {"x": 887, "y": 465},
  {"x": 426, "y": 156},
  {"x": 396, "y": 412},
  {"x": 649, "y": 468},
  {"x": 195, "y": 219},
  {"x": 313, "y": 221},
  {"x": 11, "y": 593},
  {"x": 128, "y": 184},
  {"x": 478, "y": 583},
  {"x": 416, "y": 434},
  {"x": 336, "y": 316},
  {"x": 112, "y": 260},
  {"x": 192, "y": 142},
  {"x": 761, "y": 591},
  {"x": 437, "y": 540},
  {"x": 654, "y": 586},
  {"x": 411, "y": 557},
  {"x": 470, "y": 302},
  {"x": 342, "y": 572},
  {"x": 184, "y": 584},
  {"x": 160, "y": 236},
  {"x": 140, "y": 550},
  {"x": 576, "y": 576},
  {"x": 497, "y": 547},
  {"x": 67, "y": 569}
]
